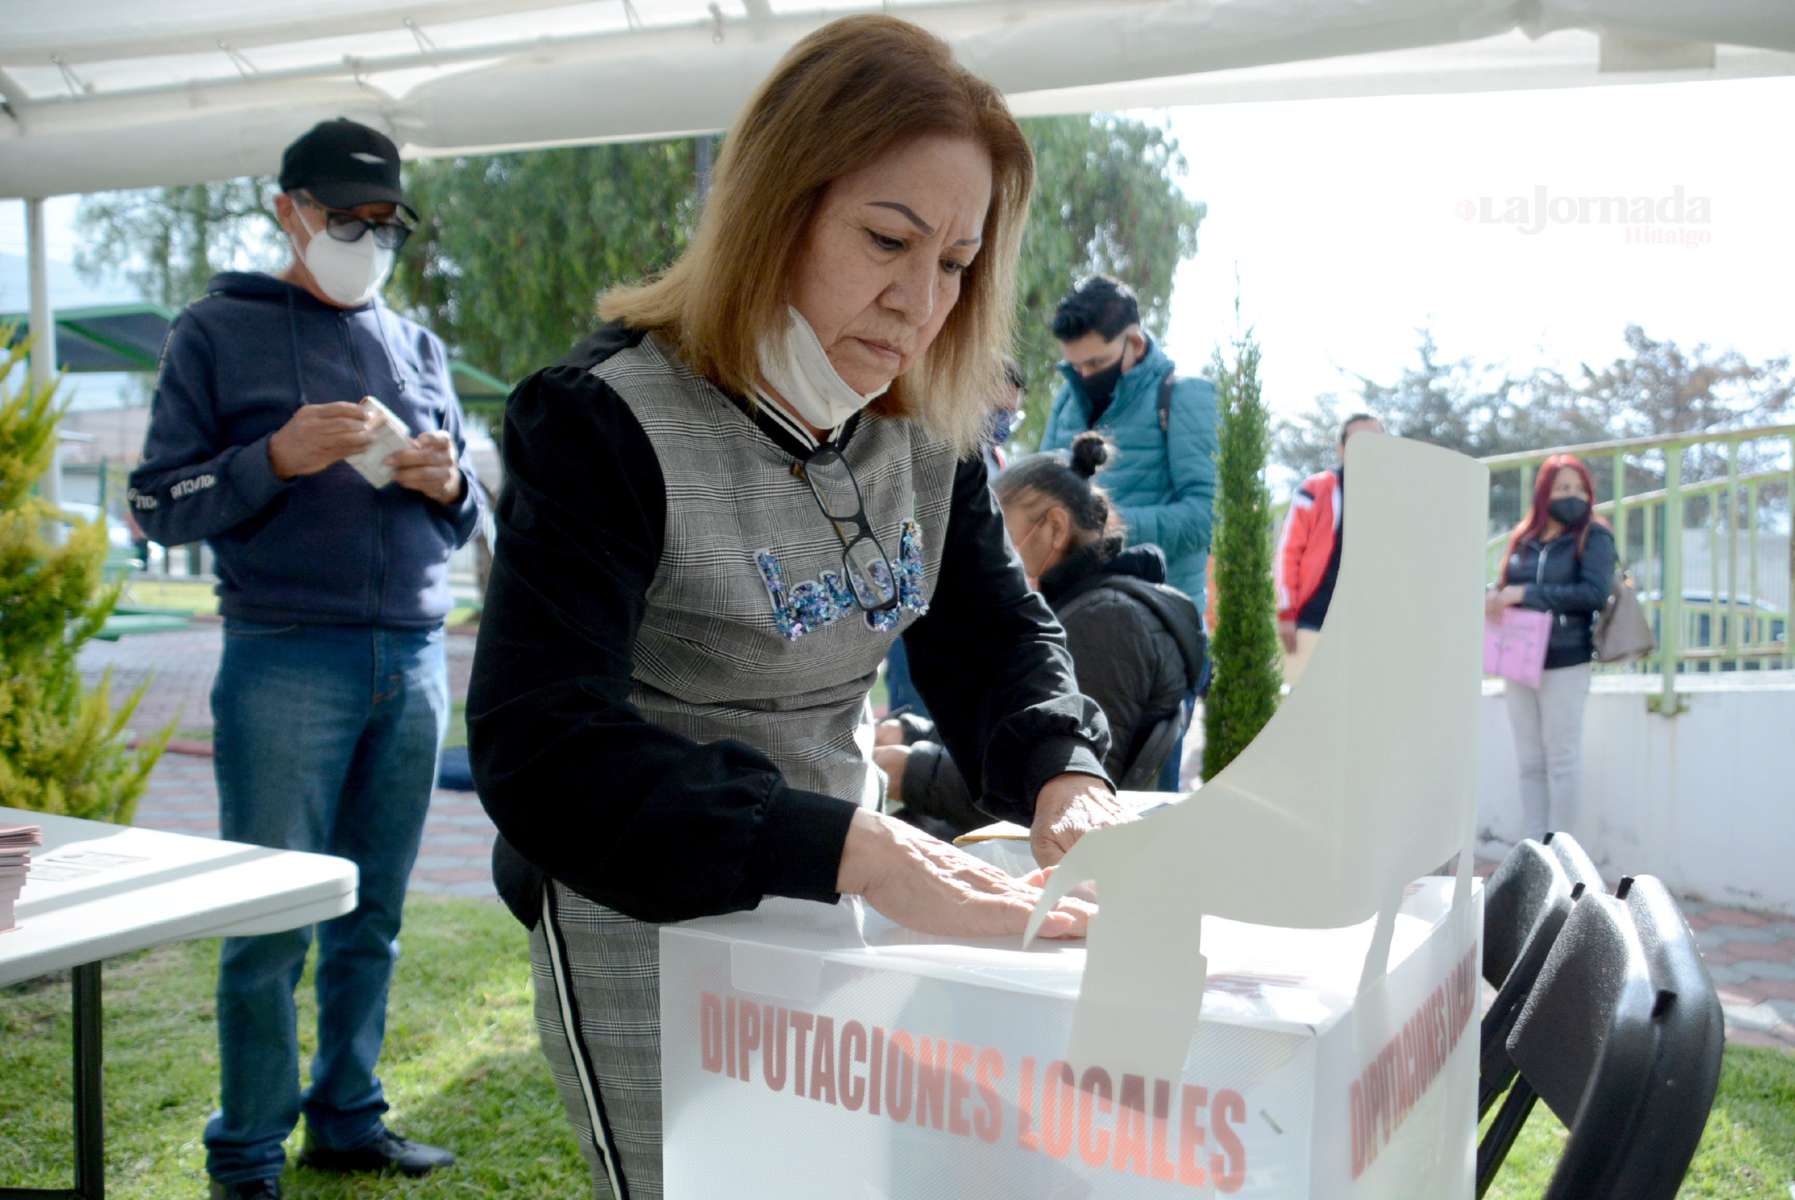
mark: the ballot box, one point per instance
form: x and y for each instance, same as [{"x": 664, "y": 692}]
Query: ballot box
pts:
[{"x": 815, "y": 1053}]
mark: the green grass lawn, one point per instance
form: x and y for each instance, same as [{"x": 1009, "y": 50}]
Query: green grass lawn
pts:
[
  {"x": 201, "y": 600},
  {"x": 197, "y": 598},
  {"x": 1747, "y": 1151},
  {"x": 462, "y": 1070}
]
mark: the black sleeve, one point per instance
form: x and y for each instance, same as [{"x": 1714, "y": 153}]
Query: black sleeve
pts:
[
  {"x": 1595, "y": 576},
  {"x": 934, "y": 787},
  {"x": 1112, "y": 641},
  {"x": 991, "y": 662},
  {"x": 577, "y": 781},
  {"x": 916, "y": 729}
]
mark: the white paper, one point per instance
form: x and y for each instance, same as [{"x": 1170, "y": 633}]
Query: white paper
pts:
[
  {"x": 1364, "y": 779},
  {"x": 390, "y": 437}
]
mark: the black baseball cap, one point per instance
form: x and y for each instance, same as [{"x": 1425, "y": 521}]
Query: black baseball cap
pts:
[{"x": 343, "y": 163}]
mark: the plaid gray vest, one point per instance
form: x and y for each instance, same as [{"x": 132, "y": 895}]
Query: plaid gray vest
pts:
[{"x": 750, "y": 632}]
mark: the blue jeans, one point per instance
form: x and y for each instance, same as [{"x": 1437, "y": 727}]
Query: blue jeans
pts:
[
  {"x": 326, "y": 740},
  {"x": 1169, "y": 772},
  {"x": 901, "y": 694}
]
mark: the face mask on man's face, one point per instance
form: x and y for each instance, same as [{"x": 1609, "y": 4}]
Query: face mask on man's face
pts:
[
  {"x": 348, "y": 272},
  {"x": 1100, "y": 384}
]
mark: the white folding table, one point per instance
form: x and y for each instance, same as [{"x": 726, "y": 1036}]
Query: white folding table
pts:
[{"x": 97, "y": 890}]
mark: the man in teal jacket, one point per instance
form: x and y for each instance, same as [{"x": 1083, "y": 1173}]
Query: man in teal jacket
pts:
[{"x": 1163, "y": 478}]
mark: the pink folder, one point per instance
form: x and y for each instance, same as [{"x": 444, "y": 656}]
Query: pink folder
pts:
[{"x": 1515, "y": 646}]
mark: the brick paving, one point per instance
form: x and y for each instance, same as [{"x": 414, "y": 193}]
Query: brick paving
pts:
[{"x": 1751, "y": 955}]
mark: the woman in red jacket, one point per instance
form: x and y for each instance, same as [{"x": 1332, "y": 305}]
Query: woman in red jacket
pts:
[{"x": 1308, "y": 555}]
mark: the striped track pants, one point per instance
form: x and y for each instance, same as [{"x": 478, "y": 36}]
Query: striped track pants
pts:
[{"x": 598, "y": 1012}]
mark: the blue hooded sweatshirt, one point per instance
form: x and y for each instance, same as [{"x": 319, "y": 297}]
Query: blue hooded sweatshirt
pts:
[
  {"x": 319, "y": 549},
  {"x": 1162, "y": 480}
]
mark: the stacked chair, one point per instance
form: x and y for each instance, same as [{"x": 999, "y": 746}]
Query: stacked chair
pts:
[{"x": 1605, "y": 1010}]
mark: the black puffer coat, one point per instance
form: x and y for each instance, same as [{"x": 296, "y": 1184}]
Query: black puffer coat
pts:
[
  {"x": 1137, "y": 645},
  {"x": 1572, "y": 587}
]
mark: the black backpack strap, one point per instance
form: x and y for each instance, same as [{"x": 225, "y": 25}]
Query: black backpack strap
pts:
[{"x": 1165, "y": 403}]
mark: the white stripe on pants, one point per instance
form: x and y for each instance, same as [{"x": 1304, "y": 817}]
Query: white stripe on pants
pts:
[
  {"x": 598, "y": 1013},
  {"x": 1548, "y": 727}
]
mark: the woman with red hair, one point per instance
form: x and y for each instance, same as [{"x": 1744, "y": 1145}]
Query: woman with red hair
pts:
[{"x": 1560, "y": 561}]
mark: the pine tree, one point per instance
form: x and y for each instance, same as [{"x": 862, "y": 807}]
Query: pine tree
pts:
[
  {"x": 61, "y": 745},
  {"x": 1245, "y": 647}
]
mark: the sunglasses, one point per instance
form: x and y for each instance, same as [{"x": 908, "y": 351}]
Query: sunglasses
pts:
[{"x": 347, "y": 227}]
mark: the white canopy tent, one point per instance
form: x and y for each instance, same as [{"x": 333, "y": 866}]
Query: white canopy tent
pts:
[{"x": 103, "y": 94}]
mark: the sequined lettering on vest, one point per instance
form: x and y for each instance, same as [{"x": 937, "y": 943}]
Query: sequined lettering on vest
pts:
[{"x": 814, "y": 603}]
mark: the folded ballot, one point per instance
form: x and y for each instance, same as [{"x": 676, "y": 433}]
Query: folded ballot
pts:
[{"x": 390, "y": 436}]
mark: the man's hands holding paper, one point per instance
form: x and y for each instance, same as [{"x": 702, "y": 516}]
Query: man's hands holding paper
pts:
[
  {"x": 428, "y": 466},
  {"x": 373, "y": 441},
  {"x": 319, "y": 436}
]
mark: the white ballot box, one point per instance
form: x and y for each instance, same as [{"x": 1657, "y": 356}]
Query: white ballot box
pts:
[{"x": 825, "y": 1054}]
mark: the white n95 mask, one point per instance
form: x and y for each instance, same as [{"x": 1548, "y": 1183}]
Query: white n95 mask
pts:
[
  {"x": 348, "y": 272},
  {"x": 794, "y": 365}
]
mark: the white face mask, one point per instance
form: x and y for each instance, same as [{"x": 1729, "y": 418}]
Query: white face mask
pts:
[
  {"x": 795, "y": 366},
  {"x": 348, "y": 272}
]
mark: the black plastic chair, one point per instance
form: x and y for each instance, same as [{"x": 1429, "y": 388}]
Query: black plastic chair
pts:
[
  {"x": 1621, "y": 1036},
  {"x": 1525, "y": 903},
  {"x": 1575, "y": 860}
]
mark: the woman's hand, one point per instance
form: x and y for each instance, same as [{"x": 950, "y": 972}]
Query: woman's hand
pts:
[
  {"x": 925, "y": 884},
  {"x": 1287, "y": 635},
  {"x": 892, "y": 760},
  {"x": 1497, "y": 599},
  {"x": 1069, "y": 807},
  {"x": 889, "y": 732}
]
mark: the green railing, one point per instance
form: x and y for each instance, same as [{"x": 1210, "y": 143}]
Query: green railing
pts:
[{"x": 1730, "y": 490}]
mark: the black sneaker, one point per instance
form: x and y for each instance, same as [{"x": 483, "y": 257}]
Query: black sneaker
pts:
[
  {"x": 254, "y": 1189},
  {"x": 387, "y": 1152}
]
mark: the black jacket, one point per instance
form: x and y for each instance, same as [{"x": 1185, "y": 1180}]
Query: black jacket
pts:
[
  {"x": 1572, "y": 587},
  {"x": 1138, "y": 647},
  {"x": 642, "y": 820}
]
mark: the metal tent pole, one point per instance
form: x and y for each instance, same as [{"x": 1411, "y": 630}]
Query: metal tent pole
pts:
[{"x": 43, "y": 343}]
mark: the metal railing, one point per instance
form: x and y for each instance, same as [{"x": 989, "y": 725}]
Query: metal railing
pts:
[{"x": 1740, "y": 495}]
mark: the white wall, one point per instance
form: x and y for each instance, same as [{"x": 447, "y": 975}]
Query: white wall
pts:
[{"x": 1704, "y": 800}]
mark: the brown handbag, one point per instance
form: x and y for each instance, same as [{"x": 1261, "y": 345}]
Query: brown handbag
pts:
[{"x": 1622, "y": 631}]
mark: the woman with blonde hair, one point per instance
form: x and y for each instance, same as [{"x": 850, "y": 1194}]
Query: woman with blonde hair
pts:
[{"x": 719, "y": 512}]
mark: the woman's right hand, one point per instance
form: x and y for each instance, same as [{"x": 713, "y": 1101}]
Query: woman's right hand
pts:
[{"x": 922, "y": 883}]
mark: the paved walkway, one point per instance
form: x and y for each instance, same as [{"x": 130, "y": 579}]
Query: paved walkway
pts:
[{"x": 1751, "y": 955}]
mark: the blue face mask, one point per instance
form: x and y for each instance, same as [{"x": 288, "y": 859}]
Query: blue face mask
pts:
[{"x": 1003, "y": 425}]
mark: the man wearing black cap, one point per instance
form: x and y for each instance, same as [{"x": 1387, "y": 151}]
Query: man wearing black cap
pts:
[{"x": 332, "y": 520}]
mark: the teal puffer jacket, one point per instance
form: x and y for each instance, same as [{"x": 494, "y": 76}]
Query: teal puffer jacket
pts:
[{"x": 1162, "y": 481}]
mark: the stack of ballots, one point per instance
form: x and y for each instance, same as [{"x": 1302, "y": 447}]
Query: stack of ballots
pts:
[{"x": 15, "y": 860}]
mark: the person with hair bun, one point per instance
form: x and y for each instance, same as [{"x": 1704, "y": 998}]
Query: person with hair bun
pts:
[
  {"x": 1560, "y": 561},
  {"x": 1136, "y": 642}
]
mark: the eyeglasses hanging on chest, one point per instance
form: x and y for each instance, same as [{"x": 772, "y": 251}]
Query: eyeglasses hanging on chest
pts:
[{"x": 864, "y": 561}]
